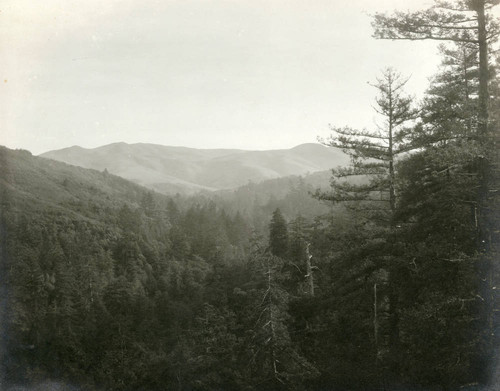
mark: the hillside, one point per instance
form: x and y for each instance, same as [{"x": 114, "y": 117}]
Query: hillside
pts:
[
  {"x": 95, "y": 267},
  {"x": 187, "y": 170},
  {"x": 82, "y": 253},
  {"x": 35, "y": 185},
  {"x": 29, "y": 184}
]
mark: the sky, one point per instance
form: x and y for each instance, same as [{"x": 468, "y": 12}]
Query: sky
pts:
[{"x": 246, "y": 74}]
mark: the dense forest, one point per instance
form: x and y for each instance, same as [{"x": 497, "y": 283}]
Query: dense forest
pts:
[{"x": 387, "y": 280}]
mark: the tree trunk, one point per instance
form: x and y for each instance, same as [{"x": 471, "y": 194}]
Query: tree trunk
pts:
[
  {"x": 310, "y": 278},
  {"x": 483, "y": 71},
  {"x": 375, "y": 319}
]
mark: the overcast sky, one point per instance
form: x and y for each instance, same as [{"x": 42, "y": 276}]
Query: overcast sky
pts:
[{"x": 245, "y": 74}]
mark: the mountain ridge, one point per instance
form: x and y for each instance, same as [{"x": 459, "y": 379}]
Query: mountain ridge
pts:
[{"x": 171, "y": 169}]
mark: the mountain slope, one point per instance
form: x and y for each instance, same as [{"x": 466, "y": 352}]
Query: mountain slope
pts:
[
  {"x": 171, "y": 169},
  {"x": 30, "y": 184}
]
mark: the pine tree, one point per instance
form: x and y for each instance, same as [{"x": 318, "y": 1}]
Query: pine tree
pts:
[
  {"x": 214, "y": 363},
  {"x": 373, "y": 153},
  {"x": 470, "y": 22},
  {"x": 278, "y": 235},
  {"x": 300, "y": 256},
  {"x": 276, "y": 364},
  {"x": 464, "y": 21},
  {"x": 449, "y": 110},
  {"x": 148, "y": 204},
  {"x": 436, "y": 279},
  {"x": 373, "y": 156}
]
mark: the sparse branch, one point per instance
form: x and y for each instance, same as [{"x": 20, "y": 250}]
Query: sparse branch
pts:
[
  {"x": 373, "y": 153},
  {"x": 448, "y": 22}
]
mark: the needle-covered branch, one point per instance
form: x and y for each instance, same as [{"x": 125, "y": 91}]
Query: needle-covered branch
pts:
[
  {"x": 459, "y": 21},
  {"x": 373, "y": 152}
]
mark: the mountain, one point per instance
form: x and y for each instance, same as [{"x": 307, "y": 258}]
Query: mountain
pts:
[
  {"x": 33, "y": 185},
  {"x": 179, "y": 169},
  {"x": 30, "y": 184}
]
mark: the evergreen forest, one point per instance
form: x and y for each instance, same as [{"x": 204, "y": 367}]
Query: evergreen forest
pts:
[{"x": 386, "y": 280}]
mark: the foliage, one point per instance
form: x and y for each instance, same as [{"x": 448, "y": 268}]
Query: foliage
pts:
[
  {"x": 107, "y": 285},
  {"x": 373, "y": 153}
]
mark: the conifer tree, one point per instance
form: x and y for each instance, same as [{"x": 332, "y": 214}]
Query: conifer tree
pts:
[
  {"x": 278, "y": 235},
  {"x": 276, "y": 364},
  {"x": 374, "y": 152},
  {"x": 373, "y": 161},
  {"x": 465, "y": 21},
  {"x": 449, "y": 110}
]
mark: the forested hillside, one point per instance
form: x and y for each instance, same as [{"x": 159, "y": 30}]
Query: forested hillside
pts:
[
  {"x": 183, "y": 170},
  {"x": 388, "y": 280},
  {"x": 104, "y": 278}
]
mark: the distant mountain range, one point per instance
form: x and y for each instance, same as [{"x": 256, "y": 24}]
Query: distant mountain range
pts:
[{"x": 169, "y": 169}]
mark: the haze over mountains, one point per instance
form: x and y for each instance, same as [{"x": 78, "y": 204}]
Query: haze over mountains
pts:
[{"x": 179, "y": 169}]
